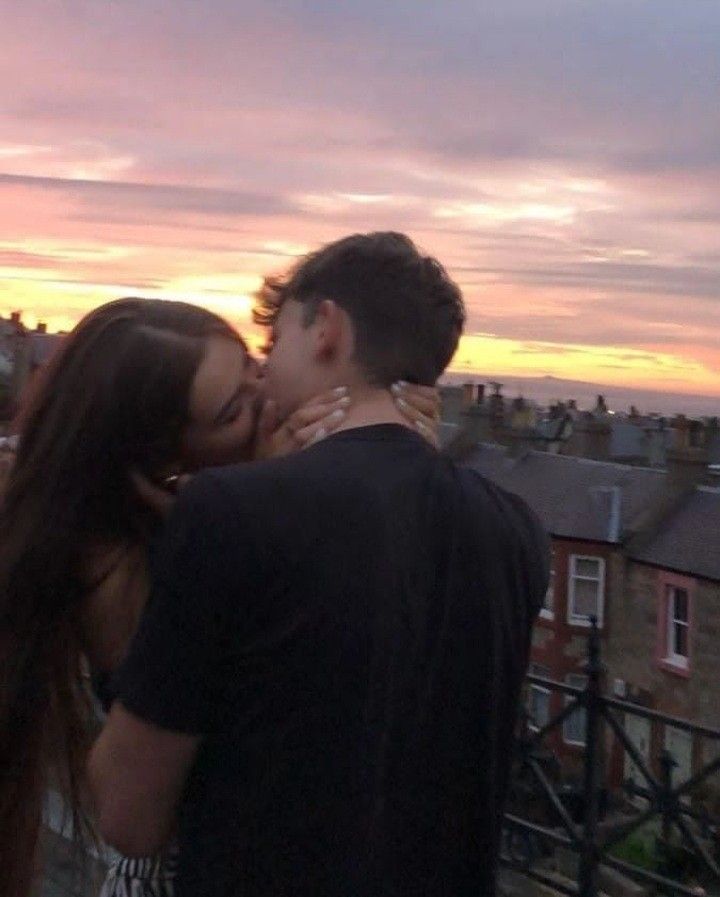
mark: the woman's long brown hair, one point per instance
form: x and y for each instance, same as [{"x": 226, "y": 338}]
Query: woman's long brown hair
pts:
[{"x": 114, "y": 399}]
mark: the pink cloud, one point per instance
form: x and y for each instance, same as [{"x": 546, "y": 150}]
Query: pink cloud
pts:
[{"x": 564, "y": 166}]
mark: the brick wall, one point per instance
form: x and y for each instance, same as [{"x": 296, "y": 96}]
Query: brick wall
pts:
[
  {"x": 635, "y": 652},
  {"x": 632, "y": 653},
  {"x": 560, "y": 646}
]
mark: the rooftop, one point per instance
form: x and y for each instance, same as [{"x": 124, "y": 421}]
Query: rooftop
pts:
[
  {"x": 689, "y": 540},
  {"x": 600, "y": 501},
  {"x": 574, "y": 497}
]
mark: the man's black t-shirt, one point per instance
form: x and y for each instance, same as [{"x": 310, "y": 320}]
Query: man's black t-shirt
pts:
[{"x": 348, "y": 628}]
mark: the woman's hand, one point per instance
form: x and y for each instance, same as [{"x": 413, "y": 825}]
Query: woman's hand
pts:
[
  {"x": 310, "y": 423},
  {"x": 421, "y": 406}
]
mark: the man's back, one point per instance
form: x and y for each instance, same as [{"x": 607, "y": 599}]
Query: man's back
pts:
[{"x": 353, "y": 624}]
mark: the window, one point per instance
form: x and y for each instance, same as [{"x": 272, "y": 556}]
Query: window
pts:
[
  {"x": 586, "y": 596},
  {"x": 674, "y": 619},
  {"x": 538, "y": 699},
  {"x": 548, "y": 609},
  {"x": 574, "y": 725},
  {"x": 680, "y": 746},
  {"x": 677, "y": 626}
]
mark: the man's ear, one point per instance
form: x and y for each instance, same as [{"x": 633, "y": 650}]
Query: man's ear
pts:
[{"x": 331, "y": 330}]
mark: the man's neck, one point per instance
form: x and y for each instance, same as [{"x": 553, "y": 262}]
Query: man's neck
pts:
[{"x": 371, "y": 406}]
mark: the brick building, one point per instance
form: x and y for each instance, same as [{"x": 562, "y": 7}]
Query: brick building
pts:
[{"x": 639, "y": 549}]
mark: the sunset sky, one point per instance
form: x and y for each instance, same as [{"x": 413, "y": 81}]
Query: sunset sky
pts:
[{"x": 561, "y": 157}]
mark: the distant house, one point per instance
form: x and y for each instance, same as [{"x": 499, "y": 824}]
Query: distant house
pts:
[
  {"x": 22, "y": 352},
  {"x": 638, "y": 549},
  {"x": 668, "y": 655},
  {"x": 470, "y": 415},
  {"x": 587, "y": 507}
]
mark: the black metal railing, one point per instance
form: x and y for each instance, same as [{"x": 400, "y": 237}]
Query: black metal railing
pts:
[{"x": 539, "y": 823}]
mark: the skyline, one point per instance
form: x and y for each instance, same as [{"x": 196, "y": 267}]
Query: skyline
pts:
[{"x": 561, "y": 159}]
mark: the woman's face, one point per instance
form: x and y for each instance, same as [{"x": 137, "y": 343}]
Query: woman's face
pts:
[{"x": 225, "y": 402}]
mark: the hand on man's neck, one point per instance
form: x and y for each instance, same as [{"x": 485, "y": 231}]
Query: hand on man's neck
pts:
[{"x": 369, "y": 406}]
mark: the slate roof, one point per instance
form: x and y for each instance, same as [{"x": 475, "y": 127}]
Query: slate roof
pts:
[
  {"x": 689, "y": 541},
  {"x": 574, "y": 497},
  {"x": 599, "y": 501}
]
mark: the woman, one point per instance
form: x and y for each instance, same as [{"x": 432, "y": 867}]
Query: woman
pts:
[{"x": 142, "y": 393}]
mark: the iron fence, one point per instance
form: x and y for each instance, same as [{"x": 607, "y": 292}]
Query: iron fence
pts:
[{"x": 539, "y": 823}]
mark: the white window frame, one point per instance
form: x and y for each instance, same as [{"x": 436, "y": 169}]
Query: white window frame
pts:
[
  {"x": 537, "y": 669},
  {"x": 548, "y": 613},
  {"x": 677, "y": 660},
  {"x": 577, "y": 680},
  {"x": 579, "y": 619},
  {"x": 678, "y": 774}
]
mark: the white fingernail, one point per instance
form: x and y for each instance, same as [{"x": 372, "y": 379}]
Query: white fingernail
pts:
[
  {"x": 337, "y": 415},
  {"x": 321, "y": 434},
  {"x": 345, "y": 401},
  {"x": 401, "y": 403},
  {"x": 396, "y": 389},
  {"x": 340, "y": 391},
  {"x": 403, "y": 383}
]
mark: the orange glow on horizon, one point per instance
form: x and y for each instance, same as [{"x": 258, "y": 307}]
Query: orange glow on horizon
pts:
[
  {"x": 55, "y": 267},
  {"x": 62, "y": 305}
]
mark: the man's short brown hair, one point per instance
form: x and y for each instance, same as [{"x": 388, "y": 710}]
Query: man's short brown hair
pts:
[{"x": 406, "y": 311}]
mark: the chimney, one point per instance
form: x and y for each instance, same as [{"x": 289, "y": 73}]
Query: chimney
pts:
[
  {"x": 559, "y": 409},
  {"x": 687, "y": 468},
  {"x": 654, "y": 442},
  {"x": 16, "y": 319},
  {"x": 590, "y": 438},
  {"x": 523, "y": 416},
  {"x": 451, "y": 403},
  {"x": 686, "y": 433},
  {"x": 41, "y": 327},
  {"x": 469, "y": 392},
  {"x": 497, "y": 400},
  {"x": 687, "y": 456},
  {"x": 496, "y": 406},
  {"x": 474, "y": 422}
]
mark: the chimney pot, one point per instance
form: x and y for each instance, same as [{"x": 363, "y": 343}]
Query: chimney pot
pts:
[{"x": 469, "y": 393}]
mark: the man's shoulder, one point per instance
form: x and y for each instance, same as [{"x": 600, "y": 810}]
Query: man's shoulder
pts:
[
  {"x": 479, "y": 488},
  {"x": 498, "y": 503},
  {"x": 254, "y": 484},
  {"x": 254, "y": 473}
]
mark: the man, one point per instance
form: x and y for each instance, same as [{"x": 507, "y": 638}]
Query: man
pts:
[{"x": 324, "y": 688}]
